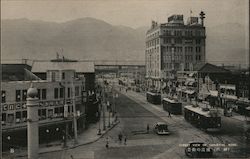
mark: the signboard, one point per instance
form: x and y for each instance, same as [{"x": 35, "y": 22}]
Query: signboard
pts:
[
  {"x": 22, "y": 105},
  {"x": 13, "y": 106}
]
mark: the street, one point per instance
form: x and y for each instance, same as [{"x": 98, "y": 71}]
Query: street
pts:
[{"x": 134, "y": 114}]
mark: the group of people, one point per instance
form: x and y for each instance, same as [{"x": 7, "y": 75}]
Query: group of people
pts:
[{"x": 120, "y": 138}]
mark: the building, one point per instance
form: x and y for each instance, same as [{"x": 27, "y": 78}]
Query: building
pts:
[
  {"x": 55, "y": 96},
  {"x": 174, "y": 46},
  {"x": 84, "y": 69}
]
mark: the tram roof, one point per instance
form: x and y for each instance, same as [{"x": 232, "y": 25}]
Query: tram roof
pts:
[
  {"x": 170, "y": 100},
  {"x": 152, "y": 93},
  {"x": 198, "y": 110}
]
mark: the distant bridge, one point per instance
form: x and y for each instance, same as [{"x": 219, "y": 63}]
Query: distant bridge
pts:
[{"x": 96, "y": 62}]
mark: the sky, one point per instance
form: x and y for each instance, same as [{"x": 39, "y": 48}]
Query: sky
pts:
[{"x": 132, "y": 13}]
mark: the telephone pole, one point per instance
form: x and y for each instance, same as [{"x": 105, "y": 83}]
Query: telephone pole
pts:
[
  {"x": 74, "y": 110},
  {"x": 103, "y": 108}
]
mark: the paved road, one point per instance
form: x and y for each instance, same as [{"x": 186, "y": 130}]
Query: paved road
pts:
[{"x": 134, "y": 115}]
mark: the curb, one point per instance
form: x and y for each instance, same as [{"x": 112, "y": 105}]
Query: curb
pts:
[{"x": 78, "y": 145}]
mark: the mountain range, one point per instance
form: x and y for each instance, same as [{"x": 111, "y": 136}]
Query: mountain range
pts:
[{"x": 89, "y": 38}]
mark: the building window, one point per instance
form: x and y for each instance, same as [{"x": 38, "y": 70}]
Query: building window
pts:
[
  {"x": 44, "y": 93},
  {"x": 4, "y": 117},
  {"x": 24, "y": 113},
  {"x": 77, "y": 91},
  {"x": 18, "y": 117},
  {"x": 198, "y": 49},
  {"x": 24, "y": 95},
  {"x": 178, "y": 41},
  {"x": 61, "y": 92},
  {"x": 55, "y": 93},
  {"x": 3, "y": 97},
  {"x": 18, "y": 95},
  {"x": 198, "y": 41},
  {"x": 39, "y": 94},
  {"x": 63, "y": 75},
  {"x": 53, "y": 76},
  {"x": 68, "y": 92}
]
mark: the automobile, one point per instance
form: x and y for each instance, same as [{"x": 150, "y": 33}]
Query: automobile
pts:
[
  {"x": 161, "y": 128},
  {"x": 198, "y": 149}
]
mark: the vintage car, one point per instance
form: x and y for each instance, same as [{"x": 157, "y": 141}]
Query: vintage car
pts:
[{"x": 161, "y": 128}]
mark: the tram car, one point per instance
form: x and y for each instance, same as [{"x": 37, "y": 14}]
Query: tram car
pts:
[
  {"x": 172, "y": 106},
  {"x": 204, "y": 119},
  {"x": 154, "y": 98}
]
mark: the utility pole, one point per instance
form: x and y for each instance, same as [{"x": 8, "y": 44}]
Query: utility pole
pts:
[
  {"x": 103, "y": 107},
  {"x": 74, "y": 110},
  {"x": 1, "y": 131},
  {"x": 65, "y": 115},
  {"x": 32, "y": 124}
]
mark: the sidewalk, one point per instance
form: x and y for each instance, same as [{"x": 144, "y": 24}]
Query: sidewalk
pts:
[{"x": 86, "y": 137}]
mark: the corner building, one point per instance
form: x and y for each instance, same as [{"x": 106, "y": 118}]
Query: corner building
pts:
[{"x": 174, "y": 46}]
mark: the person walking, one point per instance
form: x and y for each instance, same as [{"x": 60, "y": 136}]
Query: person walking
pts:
[
  {"x": 147, "y": 128},
  {"x": 107, "y": 142},
  {"x": 125, "y": 140},
  {"x": 120, "y": 137},
  {"x": 169, "y": 114}
]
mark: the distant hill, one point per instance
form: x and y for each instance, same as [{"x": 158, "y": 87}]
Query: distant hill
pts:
[
  {"x": 89, "y": 38},
  {"x": 85, "y": 38},
  {"x": 226, "y": 42}
]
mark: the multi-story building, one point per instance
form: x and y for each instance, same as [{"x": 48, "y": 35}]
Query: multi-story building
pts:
[
  {"x": 174, "y": 46},
  {"x": 55, "y": 94}
]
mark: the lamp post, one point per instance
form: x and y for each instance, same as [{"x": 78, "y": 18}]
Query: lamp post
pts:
[
  {"x": 109, "y": 113},
  {"x": 99, "y": 115},
  {"x": 47, "y": 136},
  {"x": 12, "y": 151},
  {"x": 74, "y": 111},
  {"x": 103, "y": 108},
  {"x": 65, "y": 116}
]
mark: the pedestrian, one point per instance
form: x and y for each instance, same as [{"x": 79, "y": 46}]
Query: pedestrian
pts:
[
  {"x": 147, "y": 128},
  {"x": 71, "y": 156},
  {"x": 125, "y": 140},
  {"x": 120, "y": 137},
  {"x": 107, "y": 142},
  {"x": 169, "y": 114}
]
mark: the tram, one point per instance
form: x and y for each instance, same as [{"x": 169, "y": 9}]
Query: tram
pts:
[
  {"x": 202, "y": 118},
  {"x": 172, "y": 106},
  {"x": 154, "y": 98}
]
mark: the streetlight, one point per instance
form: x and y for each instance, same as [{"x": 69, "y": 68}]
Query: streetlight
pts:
[
  {"x": 109, "y": 113},
  {"x": 12, "y": 151},
  {"x": 47, "y": 136},
  {"x": 98, "y": 114},
  {"x": 65, "y": 115},
  {"x": 74, "y": 109}
]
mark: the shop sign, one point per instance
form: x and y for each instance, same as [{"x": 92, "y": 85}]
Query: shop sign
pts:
[{"x": 13, "y": 106}]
